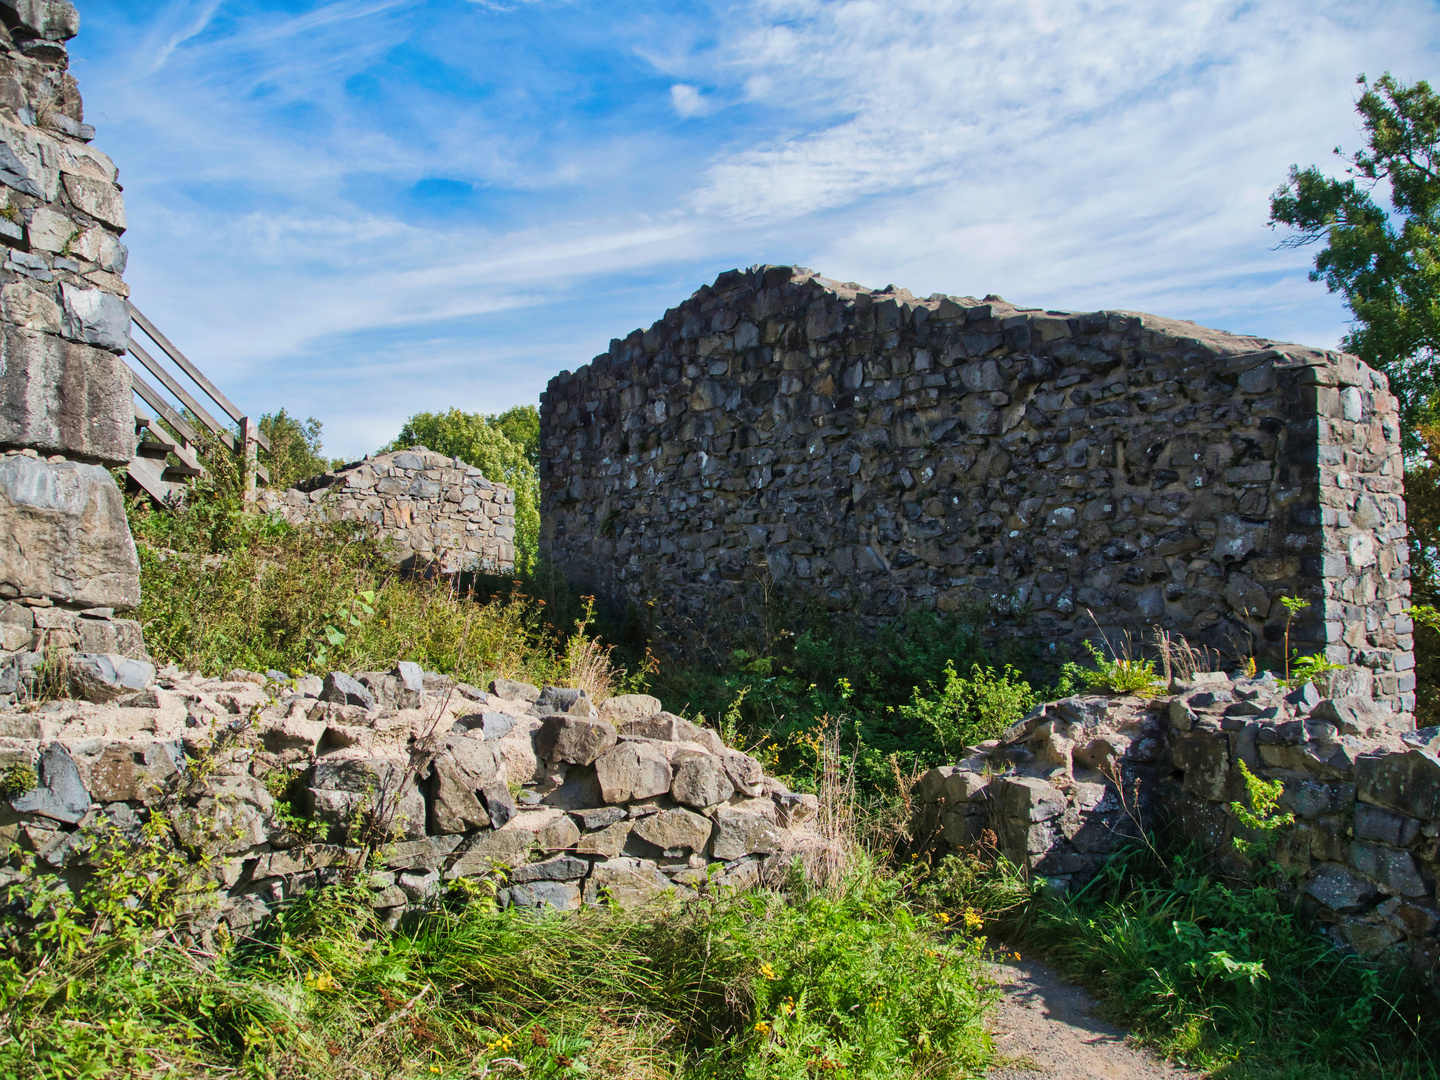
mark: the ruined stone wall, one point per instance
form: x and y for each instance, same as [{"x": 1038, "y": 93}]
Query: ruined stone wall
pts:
[
  {"x": 437, "y": 511},
  {"x": 551, "y": 800},
  {"x": 66, "y": 415},
  {"x": 779, "y": 434},
  {"x": 1060, "y": 791}
]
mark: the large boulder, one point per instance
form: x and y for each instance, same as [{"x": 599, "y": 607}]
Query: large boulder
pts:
[
  {"x": 58, "y": 396},
  {"x": 573, "y": 739},
  {"x": 632, "y": 770},
  {"x": 67, "y": 538}
]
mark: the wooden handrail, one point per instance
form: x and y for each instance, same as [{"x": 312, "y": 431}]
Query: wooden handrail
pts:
[
  {"x": 156, "y": 401},
  {"x": 183, "y": 362},
  {"x": 169, "y": 382}
]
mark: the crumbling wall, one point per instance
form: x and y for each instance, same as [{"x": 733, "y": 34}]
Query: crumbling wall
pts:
[
  {"x": 437, "y": 511},
  {"x": 553, "y": 801},
  {"x": 1062, "y": 789},
  {"x": 782, "y": 434},
  {"x": 66, "y": 415}
]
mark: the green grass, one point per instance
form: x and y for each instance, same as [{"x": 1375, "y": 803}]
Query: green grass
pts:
[
  {"x": 1228, "y": 978},
  {"x": 751, "y": 986}
]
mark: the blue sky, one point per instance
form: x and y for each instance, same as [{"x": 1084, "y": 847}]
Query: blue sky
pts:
[{"x": 359, "y": 209}]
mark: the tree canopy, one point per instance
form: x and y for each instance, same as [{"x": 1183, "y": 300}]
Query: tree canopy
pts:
[{"x": 1385, "y": 263}]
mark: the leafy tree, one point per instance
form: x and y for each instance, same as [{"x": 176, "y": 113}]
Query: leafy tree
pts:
[
  {"x": 1385, "y": 263},
  {"x": 295, "y": 451},
  {"x": 504, "y": 446}
]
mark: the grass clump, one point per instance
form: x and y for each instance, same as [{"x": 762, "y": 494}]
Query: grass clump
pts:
[{"x": 1228, "y": 977}]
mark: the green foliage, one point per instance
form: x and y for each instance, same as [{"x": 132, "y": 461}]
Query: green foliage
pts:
[
  {"x": 1312, "y": 668},
  {"x": 1228, "y": 978},
  {"x": 1262, "y": 817},
  {"x": 295, "y": 452},
  {"x": 738, "y": 986},
  {"x": 223, "y": 588},
  {"x": 504, "y": 446},
  {"x": 17, "y": 779},
  {"x": 1122, "y": 675},
  {"x": 1385, "y": 263},
  {"x": 970, "y": 710}
]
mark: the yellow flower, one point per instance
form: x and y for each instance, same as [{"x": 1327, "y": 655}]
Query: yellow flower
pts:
[
  {"x": 789, "y": 1006},
  {"x": 945, "y": 919},
  {"x": 322, "y": 982},
  {"x": 434, "y": 1068},
  {"x": 763, "y": 1027},
  {"x": 768, "y": 971},
  {"x": 1017, "y": 956},
  {"x": 973, "y": 920}
]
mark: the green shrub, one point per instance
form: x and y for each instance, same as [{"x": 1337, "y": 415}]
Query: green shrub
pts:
[
  {"x": 970, "y": 710},
  {"x": 1122, "y": 675}
]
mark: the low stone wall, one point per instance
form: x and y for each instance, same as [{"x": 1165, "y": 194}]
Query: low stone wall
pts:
[
  {"x": 552, "y": 801},
  {"x": 1060, "y": 790},
  {"x": 438, "y": 511},
  {"x": 779, "y": 434}
]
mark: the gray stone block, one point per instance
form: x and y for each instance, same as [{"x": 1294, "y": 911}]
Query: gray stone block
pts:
[
  {"x": 61, "y": 397},
  {"x": 60, "y": 795},
  {"x": 68, "y": 537},
  {"x": 107, "y": 676},
  {"x": 341, "y": 689}
]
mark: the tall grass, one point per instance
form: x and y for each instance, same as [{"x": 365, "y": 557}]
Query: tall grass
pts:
[
  {"x": 1228, "y": 977},
  {"x": 737, "y": 986}
]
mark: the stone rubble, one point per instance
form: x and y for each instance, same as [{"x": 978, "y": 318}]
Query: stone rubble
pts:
[
  {"x": 619, "y": 800},
  {"x": 439, "y": 512},
  {"x": 1063, "y": 788}
]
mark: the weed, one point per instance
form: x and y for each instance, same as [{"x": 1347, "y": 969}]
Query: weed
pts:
[
  {"x": 17, "y": 779},
  {"x": 1122, "y": 675}
]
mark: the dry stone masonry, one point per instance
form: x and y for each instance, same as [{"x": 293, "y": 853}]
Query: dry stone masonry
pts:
[
  {"x": 780, "y": 432},
  {"x": 67, "y": 563},
  {"x": 540, "y": 795},
  {"x": 438, "y": 511},
  {"x": 1059, "y": 791}
]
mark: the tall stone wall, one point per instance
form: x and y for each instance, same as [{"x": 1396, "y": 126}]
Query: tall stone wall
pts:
[
  {"x": 66, "y": 414},
  {"x": 782, "y": 433},
  {"x": 437, "y": 511}
]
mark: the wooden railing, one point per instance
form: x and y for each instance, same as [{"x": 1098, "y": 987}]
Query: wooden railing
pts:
[{"x": 151, "y": 466}]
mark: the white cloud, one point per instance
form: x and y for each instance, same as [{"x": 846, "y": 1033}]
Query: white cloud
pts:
[
  {"x": 1106, "y": 153},
  {"x": 688, "y": 101}
]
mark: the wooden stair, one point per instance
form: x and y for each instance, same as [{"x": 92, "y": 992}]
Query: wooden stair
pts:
[{"x": 165, "y": 457}]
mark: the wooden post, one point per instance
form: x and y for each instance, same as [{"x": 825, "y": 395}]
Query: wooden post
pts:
[{"x": 250, "y": 461}]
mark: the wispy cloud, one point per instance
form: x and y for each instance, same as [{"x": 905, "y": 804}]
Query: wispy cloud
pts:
[{"x": 1114, "y": 153}]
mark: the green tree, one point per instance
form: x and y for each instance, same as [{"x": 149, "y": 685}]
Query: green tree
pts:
[
  {"x": 295, "y": 452},
  {"x": 1385, "y": 263},
  {"x": 504, "y": 446}
]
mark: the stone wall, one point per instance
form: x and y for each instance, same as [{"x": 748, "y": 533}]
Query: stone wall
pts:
[
  {"x": 552, "y": 801},
  {"x": 437, "y": 511},
  {"x": 66, "y": 414},
  {"x": 779, "y": 433},
  {"x": 1062, "y": 789}
]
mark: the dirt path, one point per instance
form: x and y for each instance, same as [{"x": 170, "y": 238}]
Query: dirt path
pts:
[{"x": 1046, "y": 1029}]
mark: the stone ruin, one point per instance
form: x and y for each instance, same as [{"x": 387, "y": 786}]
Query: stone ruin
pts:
[
  {"x": 68, "y": 565},
  {"x": 551, "y": 800},
  {"x": 1063, "y": 789},
  {"x": 438, "y": 512},
  {"x": 782, "y": 435}
]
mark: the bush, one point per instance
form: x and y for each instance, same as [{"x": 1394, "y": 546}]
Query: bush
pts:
[{"x": 970, "y": 710}]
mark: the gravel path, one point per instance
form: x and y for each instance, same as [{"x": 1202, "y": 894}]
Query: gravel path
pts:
[{"x": 1046, "y": 1029}]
